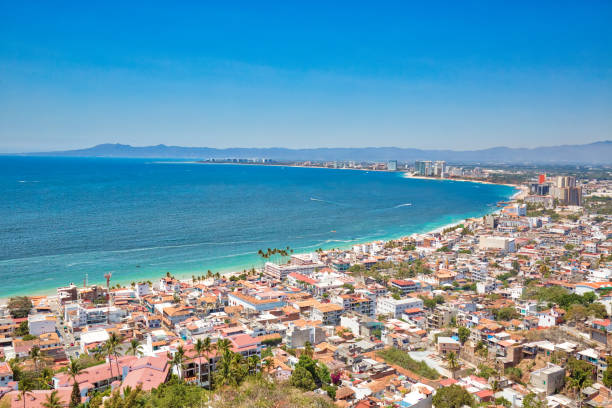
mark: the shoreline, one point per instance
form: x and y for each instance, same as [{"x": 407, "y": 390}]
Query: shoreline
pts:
[{"x": 234, "y": 270}]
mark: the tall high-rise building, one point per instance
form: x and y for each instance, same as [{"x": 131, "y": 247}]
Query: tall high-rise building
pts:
[
  {"x": 423, "y": 167},
  {"x": 566, "y": 192},
  {"x": 439, "y": 168},
  {"x": 392, "y": 165}
]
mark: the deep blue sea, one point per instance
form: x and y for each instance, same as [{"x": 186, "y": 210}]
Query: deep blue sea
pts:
[{"x": 62, "y": 218}]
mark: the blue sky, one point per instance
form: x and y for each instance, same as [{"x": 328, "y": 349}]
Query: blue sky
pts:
[{"x": 457, "y": 75}]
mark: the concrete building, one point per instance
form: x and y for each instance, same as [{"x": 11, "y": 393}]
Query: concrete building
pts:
[
  {"x": 395, "y": 307},
  {"x": 281, "y": 271},
  {"x": 423, "y": 167},
  {"x": 41, "y": 324},
  {"x": 328, "y": 313},
  {"x": 549, "y": 379},
  {"x": 502, "y": 243}
]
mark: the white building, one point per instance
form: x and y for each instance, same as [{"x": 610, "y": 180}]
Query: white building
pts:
[
  {"x": 395, "y": 307},
  {"x": 41, "y": 324},
  {"x": 503, "y": 243},
  {"x": 420, "y": 396},
  {"x": 143, "y": 289},
  {"x": 281, "y": 271},
  {"x": 78, "y": 316},
  {"x": 92, "y": 337}
]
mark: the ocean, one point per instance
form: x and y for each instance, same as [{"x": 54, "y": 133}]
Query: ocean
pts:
[{"x": 64, "y": 219}]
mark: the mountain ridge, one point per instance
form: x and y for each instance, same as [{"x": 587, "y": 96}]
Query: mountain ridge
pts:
[{"x": 591, "y": 153}]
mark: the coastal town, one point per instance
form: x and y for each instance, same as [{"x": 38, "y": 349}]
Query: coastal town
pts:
[{"x": 511, "y": 309}]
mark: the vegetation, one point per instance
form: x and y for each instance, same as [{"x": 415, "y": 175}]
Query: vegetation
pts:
[
  {"x": 531, "y": 400},
  {"x": 310, "y": 374},
  {"x": 19, "y": 306},
  {"x": 560, "y": 296},
  {"x": 261, "y": 393},
  {"x": 464, "y": 334},
  {"x": 607, "y": 376},
  {"x": 402, "y": 359},
  {"x": 22, "y": 329},
  {"x": 486, "y": 372},
  {"x": 580, "y": 375},
  {"x": 599, "y": 205},
  {"x": 255, "y": 391},
  {"x": 453, "y": 396},
  {"x": 505, "y": 313}
]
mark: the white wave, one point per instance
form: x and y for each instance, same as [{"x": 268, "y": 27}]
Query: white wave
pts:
[{"x": 403, "y": 205}]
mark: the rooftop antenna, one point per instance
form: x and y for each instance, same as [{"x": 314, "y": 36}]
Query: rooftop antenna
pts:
[{"x": 108, "y": 277}]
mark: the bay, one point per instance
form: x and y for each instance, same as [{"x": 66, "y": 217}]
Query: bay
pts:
[{"x": 64, "y": 218}]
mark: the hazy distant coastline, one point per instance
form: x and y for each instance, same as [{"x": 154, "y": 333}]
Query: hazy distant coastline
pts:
[{"x": 592, "y": 153}]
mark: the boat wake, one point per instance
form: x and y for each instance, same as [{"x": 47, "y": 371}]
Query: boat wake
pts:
[
  {"x": 325, "y": 201},
  {"x": 403, "y": 205}
]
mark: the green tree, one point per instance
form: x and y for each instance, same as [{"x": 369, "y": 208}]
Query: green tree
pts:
[
  {"x": 74, "y": 368},
  {"x": 597, "y": 310},
  {"x": 452, "y": 396},
  {"x": 581, "y": 376},
  {"x": 19, "y": 306},
  {"x": 576, "y": 313},
  {"x": 22, "y": 329},
  {"x": 515, "y": 374},
  {"x": 53, "y": 401},
  {"x": 308, "y": 350},
  {"x": 36, "y": 356},
  {"x": 26, "y": 384},
  {"x": 531, "y": 400},
  {"x": 505, "y": 313},
  {"x": 607, "y": 376},
  {"x": 453, "y": 362},
  {"x": 75, "y": 396},
  {"x": 464, "y": 334},
  {"x": 111, "y": 349},
  {"x": 177, "y": 360},
  {"x": 302, "y": 378},
  {"x": 198, "y": 347},
  {"x": 135, "y": 348}
]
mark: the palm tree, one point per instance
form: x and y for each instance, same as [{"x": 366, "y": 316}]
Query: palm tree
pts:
[
  {"x": 53, "y": 401},
  {"x": 135, "y": 348},
  {"x": 46, "y": 376},
  {"x": 177, "y": 360},
  {"x": 453, "y": 363},
  {"x": 199, "y": 349},
  {"x": 74, "y": 369},
  {"x": 36, "y": 356},
  {"x": 207, "y": 348},
  {"x": 268, "y": 364},
  {"x": 112, "y": 350},
  {"x": 252, "y": 364},
  {"x": 224, "y": 373},
  {"x": 223, "y": 346},
  {"x": 25, "y": 386}
]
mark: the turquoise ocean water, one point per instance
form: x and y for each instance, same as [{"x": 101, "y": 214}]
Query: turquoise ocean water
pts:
[{"x": 62, "y": 218}]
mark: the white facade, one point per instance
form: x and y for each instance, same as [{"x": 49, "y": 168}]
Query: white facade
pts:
[
  {"x": 41, "y": 324},
  {"x": 143, "y": 289},
  {"x": 393, "y": 307},
  {"x": 503, "y": 243}
]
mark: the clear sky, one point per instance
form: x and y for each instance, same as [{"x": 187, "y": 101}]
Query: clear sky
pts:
[{"x": 457, "y": 74}]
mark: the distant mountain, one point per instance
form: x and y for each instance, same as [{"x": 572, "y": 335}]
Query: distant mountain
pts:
[{"x": 593, "y": 153}]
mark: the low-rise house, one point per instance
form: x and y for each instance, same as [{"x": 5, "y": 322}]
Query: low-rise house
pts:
[{"x": 548, "y": 380}]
